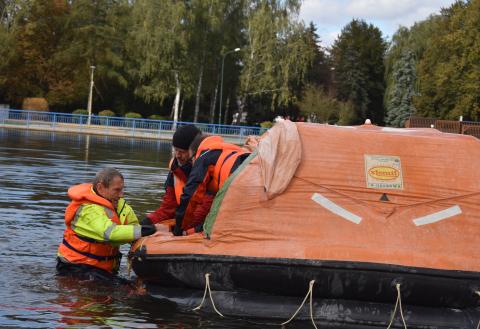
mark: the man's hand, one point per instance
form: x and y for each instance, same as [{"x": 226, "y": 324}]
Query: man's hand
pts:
[
  {"x": 162, "y": 228},
  {"x": 148, "y": 230}
]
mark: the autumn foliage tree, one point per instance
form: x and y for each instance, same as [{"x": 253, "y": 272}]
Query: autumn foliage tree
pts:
[{"x": 165, "y": 57}]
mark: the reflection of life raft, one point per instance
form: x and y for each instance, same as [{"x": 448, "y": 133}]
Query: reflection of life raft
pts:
[{"x": 375, "y": 219}]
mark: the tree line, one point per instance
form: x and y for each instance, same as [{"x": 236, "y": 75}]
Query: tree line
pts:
[{"x": 204, "y": 61}]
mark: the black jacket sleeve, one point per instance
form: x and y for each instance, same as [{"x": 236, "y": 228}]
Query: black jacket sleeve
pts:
[{"x": 196, "y": 177}]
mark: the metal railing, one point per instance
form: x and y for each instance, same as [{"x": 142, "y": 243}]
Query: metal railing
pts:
[
  {"x": 471, "y": 128},
  {"x": 54, "y": 119}
]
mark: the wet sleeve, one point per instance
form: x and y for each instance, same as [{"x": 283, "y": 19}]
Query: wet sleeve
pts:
[{"x": 94, "y": 223}]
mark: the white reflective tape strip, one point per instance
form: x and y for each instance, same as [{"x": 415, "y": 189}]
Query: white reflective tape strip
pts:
[
  {"x": 343, "y": 127},
  {"x": 397, "y": 130},
  {"x": 137, "y": 232},
  {"x": 438, "y": 216},
  {"x": 77, "y": 216},
  {"x": 109, "y": 212},
  {"x": 108, "y": 232},
  {"x": 336, "y": 209},
  {"x": 201, "y": 155}
]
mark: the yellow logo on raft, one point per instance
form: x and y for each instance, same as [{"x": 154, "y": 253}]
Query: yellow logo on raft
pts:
[{"x": 384, "y": 173}]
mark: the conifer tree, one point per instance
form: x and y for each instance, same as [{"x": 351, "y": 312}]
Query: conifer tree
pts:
[
  {"x": 400, "y": 106},
  {"x": 319, "y": 71},
  {"x": 358, "y": 56}
]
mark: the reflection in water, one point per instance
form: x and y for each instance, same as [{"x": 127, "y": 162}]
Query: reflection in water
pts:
[
  {"x": 87, "y": 147},
  {"x": 36, "y": 169}
]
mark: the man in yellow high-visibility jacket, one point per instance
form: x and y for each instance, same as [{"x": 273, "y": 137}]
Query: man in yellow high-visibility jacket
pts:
[{"x": 98, "y": 220}]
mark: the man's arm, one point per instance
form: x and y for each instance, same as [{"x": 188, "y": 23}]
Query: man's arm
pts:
[
  {"x": 94, "y": 223},
  {"x": 201, "y": 211},
  {"x": 196, "y": 177}
]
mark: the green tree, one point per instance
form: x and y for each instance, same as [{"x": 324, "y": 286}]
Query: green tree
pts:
[
  {"x": 318, "y": 106},
  {"x": 8, "y": 65},
  {"x": 358, "y": 56},
  {"x": 406, "y": 42},
  {"x": 7, "y": 44},
  {"x": 319, "y": 69},
  {"x": 157, "y": 48},
  {"x": 346, "y": 113},
  {"x": 276, "y": 54},
  {"x": 214, "y": 27},
  {"x": 98, "y": 39},
  {"x": 449, "y": 71},
  {"x": 56, "y": 42},
  {"x": 400, "y": 106},
  {"x": 38, "y": 68}
]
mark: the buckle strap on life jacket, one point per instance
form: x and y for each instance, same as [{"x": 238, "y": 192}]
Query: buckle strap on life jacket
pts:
[{"x": 87, "y": 254}]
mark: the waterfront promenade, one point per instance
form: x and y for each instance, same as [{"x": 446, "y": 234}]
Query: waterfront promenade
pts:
[{"x": 114, "y": 126}]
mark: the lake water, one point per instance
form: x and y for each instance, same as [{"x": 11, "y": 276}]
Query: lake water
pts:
[{"x": 36, "y": 169}]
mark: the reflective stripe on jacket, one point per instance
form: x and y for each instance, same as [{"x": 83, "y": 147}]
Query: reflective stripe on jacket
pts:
[
  {"x": 221, "y": 170},
  {"x": 95, "y": 229},
  {"x": 214, "y": 162}
]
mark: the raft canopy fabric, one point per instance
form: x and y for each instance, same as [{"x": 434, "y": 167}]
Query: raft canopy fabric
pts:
[
  {"x": 358, "y": 195},
  {"x": 279, "y": 154}
]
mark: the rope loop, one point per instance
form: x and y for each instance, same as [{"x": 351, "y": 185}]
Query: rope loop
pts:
[
  {"x": 398, "y": 303},
  {"x": 207, "y": 288},
  {"x": 309, "y": 293}
]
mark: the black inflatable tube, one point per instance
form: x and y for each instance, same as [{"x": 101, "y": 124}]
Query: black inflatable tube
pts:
[
  {"x": 360, "y": 293},
  {"x": 334, "y": 313}
]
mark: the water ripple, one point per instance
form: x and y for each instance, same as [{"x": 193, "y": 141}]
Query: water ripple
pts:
[{"x": 36, "y": 169}]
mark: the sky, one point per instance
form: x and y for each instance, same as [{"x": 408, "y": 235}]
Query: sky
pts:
[{"x": 330, "y": 16}]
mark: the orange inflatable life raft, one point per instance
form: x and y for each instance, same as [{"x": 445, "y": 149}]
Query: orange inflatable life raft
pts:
[{"x": 369, "y": 214}]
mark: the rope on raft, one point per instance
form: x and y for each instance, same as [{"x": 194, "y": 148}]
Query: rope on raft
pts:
[
  {"x": 398, "y": 304},
  {"x": 309, "y": 293},
  {"x": 207, "y": 288}
]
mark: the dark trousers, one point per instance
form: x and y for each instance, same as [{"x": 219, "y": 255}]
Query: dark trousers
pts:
[{"x": 88, "y": 272}]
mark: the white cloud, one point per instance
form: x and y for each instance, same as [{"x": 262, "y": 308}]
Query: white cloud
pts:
[
  {"x": 327, "y": 39},
  {"x": 330, "y": 16},
  {"x": 380, "y": 9},
  {"x": 321, "y": 11}
]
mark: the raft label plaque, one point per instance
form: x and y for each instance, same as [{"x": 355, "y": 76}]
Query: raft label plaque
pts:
[{"x": 383, "y": 172}]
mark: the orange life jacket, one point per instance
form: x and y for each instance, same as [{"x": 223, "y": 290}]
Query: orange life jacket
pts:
[
  {"x": 221, "y": 170},
  {"x": 180, "y": 180},
  {"x": 82, "y": 250}
]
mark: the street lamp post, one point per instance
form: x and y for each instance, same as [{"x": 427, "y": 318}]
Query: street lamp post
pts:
[
  {"x": 221, "y": 82},
  {"x": 89, "y": 106}
]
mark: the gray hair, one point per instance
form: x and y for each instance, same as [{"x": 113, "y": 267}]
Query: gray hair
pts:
[{"x": 106, "y": 176}]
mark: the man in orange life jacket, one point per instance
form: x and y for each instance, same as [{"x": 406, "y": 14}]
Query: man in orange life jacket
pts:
[
  {"x": 180, "y": 168},
  {"x": 214, "y": 161},
  {"x": 98, "y": 221}
]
